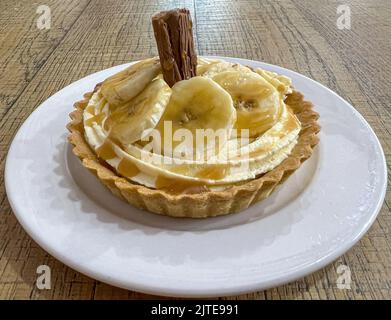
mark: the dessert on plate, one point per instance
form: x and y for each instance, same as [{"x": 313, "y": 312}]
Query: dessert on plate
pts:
[{"x": 188, "y": 136}]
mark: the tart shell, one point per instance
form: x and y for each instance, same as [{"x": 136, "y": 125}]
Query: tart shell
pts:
[{"x": 207, "y": 203}]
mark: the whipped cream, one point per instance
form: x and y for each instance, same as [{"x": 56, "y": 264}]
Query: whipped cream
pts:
[{"x": 255, "y": 96}]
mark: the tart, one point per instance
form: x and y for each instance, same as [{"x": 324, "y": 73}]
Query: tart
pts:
[
  {"x": 205, "y": 142},
  {"x": 173, "y": 196}
]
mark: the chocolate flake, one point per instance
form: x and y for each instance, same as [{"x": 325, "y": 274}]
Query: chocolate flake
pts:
[{"x": 174, "y": 38}]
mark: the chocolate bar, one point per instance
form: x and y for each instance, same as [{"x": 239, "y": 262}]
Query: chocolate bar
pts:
[{"x": 174, "y": 38}]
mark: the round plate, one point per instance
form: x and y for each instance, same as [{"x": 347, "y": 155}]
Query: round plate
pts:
[{"x": 320, "y": 212}]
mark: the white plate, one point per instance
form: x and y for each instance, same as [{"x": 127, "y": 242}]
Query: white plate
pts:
[{"x": 317, "y": 215}]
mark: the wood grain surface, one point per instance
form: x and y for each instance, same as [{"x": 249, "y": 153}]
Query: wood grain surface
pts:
[{"x": 87, "y": 36}]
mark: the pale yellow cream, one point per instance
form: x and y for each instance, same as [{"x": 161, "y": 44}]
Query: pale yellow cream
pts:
[{"x": 273, "y": 133}]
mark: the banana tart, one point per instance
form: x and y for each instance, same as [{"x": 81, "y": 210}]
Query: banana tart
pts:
[
  {"x": 125, "y": 132},
  {"x": 192, "y": 137}
]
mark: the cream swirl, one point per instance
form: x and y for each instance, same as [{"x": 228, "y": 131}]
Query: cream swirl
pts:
[{"x": 230, "y": 96}]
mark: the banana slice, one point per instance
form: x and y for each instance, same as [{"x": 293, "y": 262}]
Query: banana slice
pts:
[
  {"x": 211, "y": 69},
  {"x": 282, "y": 83},
  {"x": 137, "y": 118},
  {"x": 125, "y": 85},
  {"x": 257, "y": 102},
  {"x": 197, "y": 103}
]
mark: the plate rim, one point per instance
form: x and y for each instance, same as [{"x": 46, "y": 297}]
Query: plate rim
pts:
[{"x": 189, "y": 292}]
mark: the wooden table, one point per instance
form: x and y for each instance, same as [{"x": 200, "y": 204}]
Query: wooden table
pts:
[{"x": 87, "y": 36}]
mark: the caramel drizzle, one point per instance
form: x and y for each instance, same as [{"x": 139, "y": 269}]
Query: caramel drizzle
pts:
[
  {"x": 98, "y": 119},
  {"x": 106, "y": 151},
  {"x": 90, "y": 109},
  {"x": 127, "y": 168},
  {"x": 213, "y": 172}
]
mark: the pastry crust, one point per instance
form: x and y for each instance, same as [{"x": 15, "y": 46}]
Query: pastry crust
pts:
[{"x": 207, "y": 203}]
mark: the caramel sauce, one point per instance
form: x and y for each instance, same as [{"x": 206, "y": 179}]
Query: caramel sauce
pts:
[
  {"x": 127, "y": 168},
  {"x": 251, "y": 121},
  {"x": 213, "y": 172},
  {"x": 90, "y": 109},
  {"x": 260, "y": 151},
  {"x": 291, "y": 123},
  {"x": 179, "y": 186},
  {"x": 106, "y": 151},
  {"x": 97, "y": 118}
]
